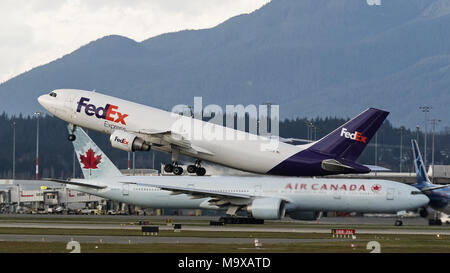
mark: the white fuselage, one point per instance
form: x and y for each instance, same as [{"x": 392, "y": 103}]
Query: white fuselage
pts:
[
  {"x": 301, "y": 194},
  {"x": 224, "y": 145}
]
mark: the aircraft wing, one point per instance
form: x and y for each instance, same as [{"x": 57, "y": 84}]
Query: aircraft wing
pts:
[
  {"x": 199, "y": 193},
  {"x": 217, "y": 198},
  {"x": 169, "y": 138},
  {"x": 95, "y": 186}
]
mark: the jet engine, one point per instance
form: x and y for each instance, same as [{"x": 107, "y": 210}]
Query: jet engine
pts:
[
  {"x": 267, "y": 208},
  {"x": 127, "y": 142},
  {"x": 304, "y": 215}
]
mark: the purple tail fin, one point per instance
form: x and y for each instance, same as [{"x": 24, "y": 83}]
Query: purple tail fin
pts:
[{"x": 349, "y": 140}]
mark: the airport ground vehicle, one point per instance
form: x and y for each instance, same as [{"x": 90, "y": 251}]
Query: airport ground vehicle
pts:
[{"x": 445, "y": 218}]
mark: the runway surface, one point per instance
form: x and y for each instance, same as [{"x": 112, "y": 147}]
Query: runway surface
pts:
[
  {"x": 154, "y": 239},
  {"x": 318, "y": 229},
  {"x": 362, "y": 225}
]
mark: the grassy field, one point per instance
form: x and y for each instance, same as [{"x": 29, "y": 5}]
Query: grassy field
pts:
[
  {"x": 392, "y": 243},
  {"x": 389, "y": 243},
  {"x": 411, "y": 244}
]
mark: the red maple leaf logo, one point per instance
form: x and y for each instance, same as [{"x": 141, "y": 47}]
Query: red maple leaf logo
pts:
[
  {"x": 376, "y": 187},
  {"x": 90, "y": 161}
]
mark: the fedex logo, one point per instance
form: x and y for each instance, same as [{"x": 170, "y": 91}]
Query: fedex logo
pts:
[
  {"x": 355, "y": 136},
  {"x": 108, "y": 112},
  {"x": 123, "y": 140}
]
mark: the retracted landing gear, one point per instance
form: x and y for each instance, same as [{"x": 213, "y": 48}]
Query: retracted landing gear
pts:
[{"x": 196, "y": 168}]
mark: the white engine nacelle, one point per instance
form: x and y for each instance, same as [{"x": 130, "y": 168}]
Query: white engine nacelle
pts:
[
  {"x": 127, "y": 142},
  {"x": 267, "y": 208}
]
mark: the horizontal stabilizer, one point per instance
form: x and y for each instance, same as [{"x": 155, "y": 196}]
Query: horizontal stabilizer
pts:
[
  {"x": 375, "y": 168},
  {"x": 74, "y": 183},
  {"x": 332, "y": 165}
]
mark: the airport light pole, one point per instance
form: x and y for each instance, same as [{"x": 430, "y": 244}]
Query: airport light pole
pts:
[
  {"x": 315, "y": 132},
  {"x": 433, "y": 122},
  {"x": 425, "y": 109},
  {"x": 14, "y": 151},
  {"x": 73, "y": 163},
  {"x": 153, "y": 161},
  {"x": 37, "y": 144},
  {"x": 310, "y": 127},
  {"x": 401, "y": 147},
  {"x": 307, "y": 129},
  {"x": 134, "y": 161},
  {"x": 269, "y": 116},
  {"x": 376, "y": 149},
  {"x": 417, "y": 133}
]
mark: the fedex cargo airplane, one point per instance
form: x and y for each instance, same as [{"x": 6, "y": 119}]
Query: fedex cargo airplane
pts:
[
  {"x": 136, "y": 127},
  {"x": 266, "y": 197}
]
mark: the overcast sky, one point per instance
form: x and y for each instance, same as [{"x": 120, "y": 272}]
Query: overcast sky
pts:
[{"x": 35, "y": 32}]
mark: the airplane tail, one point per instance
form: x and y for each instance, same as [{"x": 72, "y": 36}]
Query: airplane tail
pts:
[
  {"x": 93, "y": 162},
  {"x": 348, "y": 141},
  {"x": 422, "y": 178}
]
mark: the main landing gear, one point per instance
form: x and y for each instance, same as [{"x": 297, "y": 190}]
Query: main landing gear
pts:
[
  {"x": 174, "y": 168},
  {"x": 196, "y": 168},
  {"x": 177, "y": 170}
]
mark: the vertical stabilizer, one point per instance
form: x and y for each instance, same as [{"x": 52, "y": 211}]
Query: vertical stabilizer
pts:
[
  {"x": 422, "y": 178},
  {"x": 93, "y": 162},
  {"x": 349, "y": 140}
]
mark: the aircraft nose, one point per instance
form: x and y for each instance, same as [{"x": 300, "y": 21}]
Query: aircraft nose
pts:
[
  {"x": 422, "y": 200},
  {"x": 47, "y": 102},
  {"x": 41, "y": 100}
]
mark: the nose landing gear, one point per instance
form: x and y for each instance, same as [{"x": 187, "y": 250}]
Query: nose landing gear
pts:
[{"x": 71, "y": 137}]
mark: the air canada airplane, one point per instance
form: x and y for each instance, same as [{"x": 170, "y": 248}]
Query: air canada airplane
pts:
[
  {"x": 265, "y": 197},
  {"x": 136, "y": 127}
]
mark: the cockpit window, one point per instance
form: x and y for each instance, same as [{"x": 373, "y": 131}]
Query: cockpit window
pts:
[
  {"x": 53, "y": 94},
  {"x": 416, "y": 192}
]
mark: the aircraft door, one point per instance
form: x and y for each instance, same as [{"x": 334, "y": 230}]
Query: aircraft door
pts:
[
  {"x": 390, "y": 194},
  {"x": 258, "y": 190},
  {"x": 125, "y": 189}
]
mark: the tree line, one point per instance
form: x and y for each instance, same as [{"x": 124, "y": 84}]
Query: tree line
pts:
[{"x": 56, "y": 152}]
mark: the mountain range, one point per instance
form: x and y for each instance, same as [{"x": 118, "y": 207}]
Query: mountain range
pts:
[{"x": 312, "y": 57}]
